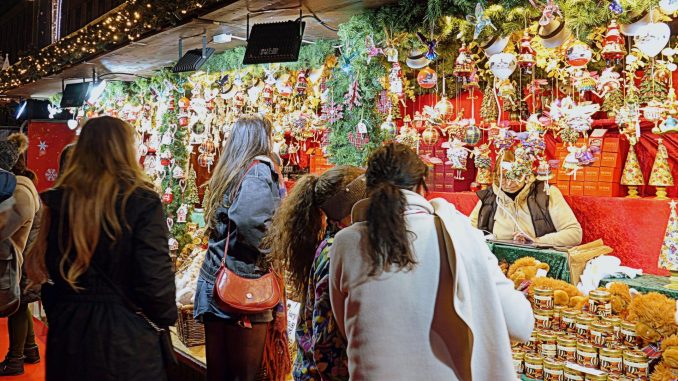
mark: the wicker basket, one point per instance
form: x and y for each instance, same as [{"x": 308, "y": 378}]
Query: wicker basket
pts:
[{"x": 190, "y": 331}]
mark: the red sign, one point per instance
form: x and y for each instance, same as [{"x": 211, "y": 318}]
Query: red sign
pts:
[{"x": 46, "y": 141}]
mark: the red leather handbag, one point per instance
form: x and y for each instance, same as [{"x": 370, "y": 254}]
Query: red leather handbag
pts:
[{"x": 233, "y": 293}]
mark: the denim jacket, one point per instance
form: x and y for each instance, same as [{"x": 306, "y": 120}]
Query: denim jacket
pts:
[{"x": 249, "y": 215}]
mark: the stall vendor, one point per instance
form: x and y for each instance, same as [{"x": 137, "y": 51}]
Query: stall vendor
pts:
[{"x": 523, "y": 209}]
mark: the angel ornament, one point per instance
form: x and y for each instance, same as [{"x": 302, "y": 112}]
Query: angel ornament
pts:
[
  {"x": 372, "y": 49},
  {"x": 457, "y": 155},
  {"x": 479, "y": 21}
]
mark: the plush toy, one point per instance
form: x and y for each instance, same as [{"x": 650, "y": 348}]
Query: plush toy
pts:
[
  {"x": 564, "y": 294},
  {"x": 525, "y": 268},
  {"x": 667, "y": 370},
  {"x": 621, "y": 298},
  {"x": 655, "y": 317}
]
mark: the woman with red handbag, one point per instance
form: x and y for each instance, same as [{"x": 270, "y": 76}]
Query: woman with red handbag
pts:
[
  {"x": 237, "y": 295},
  {"x": 300, "y": 239}
]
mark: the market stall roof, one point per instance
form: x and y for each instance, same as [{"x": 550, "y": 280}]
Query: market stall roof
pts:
[{"x": 142, "y": 58}]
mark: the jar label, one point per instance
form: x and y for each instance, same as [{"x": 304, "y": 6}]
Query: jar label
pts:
[
  {"x": 610, "y": 364},
  {"x": 543, "y": 322},
  {"x": 567, "y": 353},
  {"x": 601, "y": 309},
  {"x": 588, "y": 359},
  {"x": 543, "y": 302},
  {"x": 583, "y": 331},
  {"x": 573, "y": 377},
  {"x": 553, "y": 374},
  {"x": 534, "y": 371},
  {"x": 548, "y": 350},
  {"x": 636, "y": 369}
]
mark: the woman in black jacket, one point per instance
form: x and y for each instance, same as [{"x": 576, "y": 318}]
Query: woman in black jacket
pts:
[{"x": 104, "y": 233}]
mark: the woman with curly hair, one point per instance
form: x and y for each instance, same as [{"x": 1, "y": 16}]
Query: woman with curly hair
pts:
[
  {"x": 300, "y": 239},
  {"x": 414, "y": 287}
]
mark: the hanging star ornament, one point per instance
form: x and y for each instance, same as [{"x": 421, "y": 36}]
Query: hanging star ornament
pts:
[{"x": 480, "y": 21}]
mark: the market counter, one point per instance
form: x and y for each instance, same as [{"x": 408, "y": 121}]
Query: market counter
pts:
[
  {"x": 645, "y": 284},
  {"x": 634, "y": 228},
  {"x": 558, "y": 261}
]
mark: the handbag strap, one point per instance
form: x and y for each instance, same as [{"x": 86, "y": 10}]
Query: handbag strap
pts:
[
  {"x": 126, "y": 301},
  {"x": 228, "y": 229}
]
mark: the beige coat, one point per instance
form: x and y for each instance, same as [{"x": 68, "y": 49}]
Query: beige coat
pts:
[
  {"x": 428, "y": 323},
  {"x": 26, "y": 208},
  {"x": 515, "y": 217}
]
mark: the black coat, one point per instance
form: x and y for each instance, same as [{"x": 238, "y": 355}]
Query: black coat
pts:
[{"x": 92, "y": 334}]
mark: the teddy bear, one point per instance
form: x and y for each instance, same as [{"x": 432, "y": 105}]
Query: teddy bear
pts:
[
  {"x": 621, "y": 298},
  {"x": 525, "y": 268},
  {"x": 564, "y": 294},
  {"x": 655, "y": 317},
  {"x": 667, "y": 369}
]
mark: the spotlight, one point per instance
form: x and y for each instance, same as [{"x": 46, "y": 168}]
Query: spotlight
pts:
[
  {"x": 72, "y": 124},
  {"x": 222, "y": 38},
  {"x": 22, "y": 108},
  {"x": 96, "y": 91}
]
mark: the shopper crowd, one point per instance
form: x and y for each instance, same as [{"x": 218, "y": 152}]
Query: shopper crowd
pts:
[{"x": 393, "y": 286}]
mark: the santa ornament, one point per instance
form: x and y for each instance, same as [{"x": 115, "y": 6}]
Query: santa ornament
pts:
[
  {"x": 302, "y": 83},
  {"x": 613, "y": 45},
  {"x": 463, "y": 65},
  {"x": 578, "y": 54},
  {"x": 526, "y": 58}
]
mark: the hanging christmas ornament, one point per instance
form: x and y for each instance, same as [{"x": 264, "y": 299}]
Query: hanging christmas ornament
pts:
[
  {"x": 352, "y": 98},
  {"x": 615, "y": 7},
  {"x": 388, "y": 126},
  {"x": 173, "y": 244},
  {"x": 430, "y": 43},
  {"x": 502, "y": 65},
  {"x": 652, "y": 38},
  {"x": 372, "y": 49},
  {"x": 552, "y": 29},
  {"x": 359, "y": 138},
  {"x": 483, "y": 162},
  {"x": 463, "y": 65},
  {"x": 608, "y": 83},
  {"x": 168, "y": 196},
  {"x": 473, "y": 134},
  {"x": 578, "y": 54},
  {"x": 668, "y": 7},
  {"x": 391, "y": 54},
  {"x": 184, "y": 103},
  {"x": 494, "y": 45},
  {"x": 427, "y": 78},
  {"x": 479, "y": 21},
  {"x": 396, "y": 82},
  {"x": 526, "y": 58},
  {"x": 417, "y": 59},
  {"x": 302, "y": 83},
  {"x": 457, "y": 156},
  {"x": 430, "y": 135},
  {"x": 166, "y": 158},
  {"x": 182, "y": 213},
  {"x": 613, "y": 45},
  {"x": 444, "y": 107},
  {"x": 178, "y": 173}
]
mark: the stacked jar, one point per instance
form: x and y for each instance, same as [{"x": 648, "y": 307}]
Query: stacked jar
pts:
[{"x": 575, "y": 345}]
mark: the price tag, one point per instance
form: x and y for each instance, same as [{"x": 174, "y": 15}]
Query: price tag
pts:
[
  {"x": 362, "y": 127},
  {"x": 292, "y": 319}
]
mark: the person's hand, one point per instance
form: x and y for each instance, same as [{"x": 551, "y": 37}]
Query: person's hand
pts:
[{"x": 522, "y": 238}]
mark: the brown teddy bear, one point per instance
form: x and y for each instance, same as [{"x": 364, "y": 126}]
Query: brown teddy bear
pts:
[
  {"x": 564, "y": 294},
  {"x": 667, "y": 370},
  {"x": 525, "y": 269},
  {"x": 621, "y": 298},
  {"x": 655, "y": 317}
]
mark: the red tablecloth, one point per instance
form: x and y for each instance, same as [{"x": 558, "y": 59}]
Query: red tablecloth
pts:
[{"x": 634, "y": 228}]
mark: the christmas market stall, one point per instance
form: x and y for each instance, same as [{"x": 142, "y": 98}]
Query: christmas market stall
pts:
[{"x": 580, "y": 92}]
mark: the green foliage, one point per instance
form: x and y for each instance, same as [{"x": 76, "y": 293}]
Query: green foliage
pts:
[{"x": 613, "y": 101}]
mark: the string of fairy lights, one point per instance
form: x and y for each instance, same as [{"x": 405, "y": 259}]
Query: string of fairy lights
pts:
[{"x": 127, "y": 23}]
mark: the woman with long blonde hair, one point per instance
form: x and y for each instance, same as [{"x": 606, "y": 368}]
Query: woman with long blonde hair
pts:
[
  {"x": 244, "y": 192},
  {"x": 103, "y": 247}
]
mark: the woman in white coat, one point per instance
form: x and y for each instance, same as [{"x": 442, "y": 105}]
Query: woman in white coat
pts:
[{"x": 420, "y": 297}]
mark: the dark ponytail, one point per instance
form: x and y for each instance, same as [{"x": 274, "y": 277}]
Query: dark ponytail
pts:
[
  {"x": 391, "y": 168},
  {"x": 297, "y": 228}
]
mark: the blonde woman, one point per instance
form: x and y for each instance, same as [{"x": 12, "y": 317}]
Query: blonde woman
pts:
[
  {"x": 245, "y": 191},
  {"x": 103, "y": 243}
]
